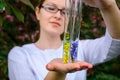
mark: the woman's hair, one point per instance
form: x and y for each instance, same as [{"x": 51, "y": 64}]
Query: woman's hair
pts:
[{"x": 40, "y": 3}]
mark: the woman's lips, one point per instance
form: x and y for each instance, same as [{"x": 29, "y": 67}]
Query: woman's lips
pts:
[{"x": 55, "y": 23}]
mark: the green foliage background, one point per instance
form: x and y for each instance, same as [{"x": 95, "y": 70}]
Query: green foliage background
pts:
[{"x": 18, "y": 26}]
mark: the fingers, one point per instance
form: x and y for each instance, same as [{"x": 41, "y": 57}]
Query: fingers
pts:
[
  {"x": 79, "y": 66},
  {"x": 67, "y": 68},
  {"x": 50, "y": 67},
  {"x": 85, "y": 65}
]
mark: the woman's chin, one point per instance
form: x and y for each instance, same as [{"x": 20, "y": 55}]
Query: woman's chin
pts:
[{"x": 55, "y": 34}]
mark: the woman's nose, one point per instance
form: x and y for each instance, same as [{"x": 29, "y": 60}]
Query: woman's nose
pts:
[{"x": 58, "y": 14}]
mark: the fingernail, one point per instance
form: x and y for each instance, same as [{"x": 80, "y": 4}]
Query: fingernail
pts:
[{"x": 84, "y": 67}]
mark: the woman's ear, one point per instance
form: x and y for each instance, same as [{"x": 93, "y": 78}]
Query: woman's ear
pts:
[{"x": 37, "y": 12}]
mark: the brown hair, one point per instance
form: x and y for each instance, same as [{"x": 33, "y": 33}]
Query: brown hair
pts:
[{"x": 40, "y": 3}]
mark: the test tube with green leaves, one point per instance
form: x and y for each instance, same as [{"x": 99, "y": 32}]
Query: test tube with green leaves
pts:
[{"x": 73, "y": 18}]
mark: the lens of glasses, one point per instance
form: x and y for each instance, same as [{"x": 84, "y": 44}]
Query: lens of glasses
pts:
[
  {"x": 54, "y": 9},
  {"x": 51, "y": 9}
]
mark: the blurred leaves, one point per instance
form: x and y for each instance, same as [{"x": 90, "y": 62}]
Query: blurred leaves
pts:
[
  {"x": 2, "y": 5},
  {"x": 1, "y": 20},
  {"x": 9, "y": 5},
  {"x": 27, "y": 2},
  {"x": 106, "y": 71},
  {"x": 17, "y": 13}
]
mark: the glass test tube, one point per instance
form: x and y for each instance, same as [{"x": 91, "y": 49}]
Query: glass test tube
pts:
[{"x": 72, "y": 30}]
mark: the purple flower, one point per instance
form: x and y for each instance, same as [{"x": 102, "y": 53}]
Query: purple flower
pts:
[{"x": 73, "y": 50}]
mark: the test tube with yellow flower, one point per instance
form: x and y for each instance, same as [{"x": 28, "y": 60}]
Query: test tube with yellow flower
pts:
[{"x": 72, "y": 30}]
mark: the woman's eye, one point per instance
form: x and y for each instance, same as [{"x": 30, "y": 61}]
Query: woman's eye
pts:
[{"x": 51, "y": 8}]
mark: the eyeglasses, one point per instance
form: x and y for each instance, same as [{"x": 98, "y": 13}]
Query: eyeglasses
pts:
[{"x": 54, "y": 9}]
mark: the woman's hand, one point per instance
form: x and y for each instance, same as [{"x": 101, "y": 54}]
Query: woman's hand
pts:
[
  {"x": 57, "y": 65},
  {"x": 101, "y": 4},
  {"x": 58, "y": 70},
  {"x": 110, "y": 13}
]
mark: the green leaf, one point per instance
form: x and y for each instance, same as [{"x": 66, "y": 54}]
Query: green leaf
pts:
[
  {"x": 1, "y": 20},
  {"x": 17, "y": 13},
  {"x": 28, "y": 3},
  {"x": 2, "y": 6}
]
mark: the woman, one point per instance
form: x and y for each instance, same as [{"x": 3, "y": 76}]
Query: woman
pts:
[{"x": 42, "y": 60}]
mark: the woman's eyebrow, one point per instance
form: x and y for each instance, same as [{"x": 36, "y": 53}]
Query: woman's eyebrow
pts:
[
  {"x": 52, "y": 4},
  {"x": 55, "y": 5}
]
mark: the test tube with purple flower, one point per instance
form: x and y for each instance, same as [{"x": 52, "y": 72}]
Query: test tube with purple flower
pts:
[{"x": 72, "y": 30}]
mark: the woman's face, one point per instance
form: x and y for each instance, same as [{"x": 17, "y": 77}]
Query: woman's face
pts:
[{"x": 51, "y": 17}]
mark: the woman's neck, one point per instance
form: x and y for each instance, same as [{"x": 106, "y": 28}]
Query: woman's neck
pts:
[{"x": 48, "y": 42}]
